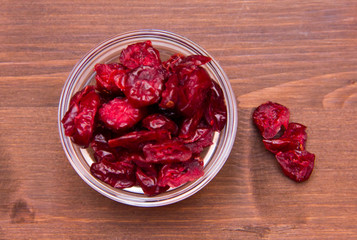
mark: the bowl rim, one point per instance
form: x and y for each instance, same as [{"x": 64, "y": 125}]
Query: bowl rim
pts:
[{"x": 131, "y": 199}]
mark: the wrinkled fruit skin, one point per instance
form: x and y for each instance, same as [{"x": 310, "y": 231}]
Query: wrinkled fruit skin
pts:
[
  {"x": 134, "y": 139},
  {"x": 144, "y": 85},
  {"x": 109, "y": 76},
  {"x": 216, "y": 112},
  {"x": 193, "y": 91},
  {"x": 140, "y": 54},
  {"x": 79, "y": 121},
  {"x": 289, "y": 148},
  {"x": 119, "y": 174},
  {"x": 294, "y": 138},
  {"x": 269, "y": 117},
  {"x": 147, "y": 121},
  {"x": 297, "y": 165},
  {"x": 148, "y": 182},
  {"x": 166, "y": 152},
  {"x": 159, "y": 121},
  {"x": 101, "y": 149},
  {"x": 119, "y": 114},
  {"x": 176, "y": 174}
]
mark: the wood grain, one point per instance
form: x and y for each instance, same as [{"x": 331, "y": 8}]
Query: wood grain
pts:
[{"x": 302, "y": 54}]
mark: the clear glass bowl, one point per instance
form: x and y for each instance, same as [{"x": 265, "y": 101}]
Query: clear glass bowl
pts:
[{"x": 167, "y": 43}]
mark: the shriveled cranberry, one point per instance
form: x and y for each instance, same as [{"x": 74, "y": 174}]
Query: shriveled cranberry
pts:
[
  {"x": 134, "y": 139},
  {"x": 202, "y": 138},
  {"x": 144, "y": 85},
  {"x": 109, "y": 76},
  {"x": 168, "y": 151},
  {"x": 190, "y": 64},
  {"x": 119, "y": 114},
  {"x": 140, "y": 54},
  {"x": 169, "y": 96},
  {"x": 294, "y": 138},
  {"x": 159, "y": 121},
  {"x": 79, "y": 95},
  {"x": 148, "y": 182},
  {"x": 216, "y": 111},
  {"x": 119, "y": 174},
  {"x": 173, "y": 62},
  {"x": 176, "y": 174},
  {"x": 297, "y": 165},
  {"x": 193, "y": 91},
  {"x": 79, "y": 121},
  {"x": 101, "y": 149},
  {"x": 68, "y": 120},
  {"x": 196, "y": 60},
  {"x": 269, "y": 117},
  {"x": 189, "y": 125}
]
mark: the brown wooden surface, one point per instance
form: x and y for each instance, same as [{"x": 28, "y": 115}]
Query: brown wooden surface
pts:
[{"x": 302, "y": 54}]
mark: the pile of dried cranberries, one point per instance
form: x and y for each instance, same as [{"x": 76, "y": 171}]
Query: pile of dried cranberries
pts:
[
  {"x": 272, "y": 120},
  {"x": 147, "y": 121}
]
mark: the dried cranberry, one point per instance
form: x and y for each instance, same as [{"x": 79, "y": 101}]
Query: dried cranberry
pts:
[
  {"x": 193, "y": 91},
  {"x": 144, "y": 85},
  {"x": 297, "y": 165},
  {"x": 75, "y": 99},
  {"x": 119, "y": 114},
  {"x": 196, "y": 60},
  {"x": 189, "y": 125},
  {"x": 176, "y": 174},
  {"x": 101, "y": 149},
  {"x": 173, "y": 62},
  {"x": 109, "y": 77},
  {"x": 140, "y": 54},
  {"x": 216, "y": 112},
  {"x": 79, "y": 121},
  {"x": 294, "y": 138},
  {"x": 133, "y": 140},
  {"x": 202, "y": 138},
  {"x": 169, "y": 96},
  {"x": 190, "y": 64},
  {"x": 148, "y": 182},
  {"x": 119, "y": 174},
  {"x": 168, "y": 151},
  {"x": 269, "y": 117},
  {"x": 159, "y": 121}
]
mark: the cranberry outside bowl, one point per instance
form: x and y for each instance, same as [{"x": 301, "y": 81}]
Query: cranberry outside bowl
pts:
[{"x": 167, "y": 43}]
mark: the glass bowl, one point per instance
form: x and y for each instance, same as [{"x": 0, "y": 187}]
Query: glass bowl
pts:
[{"x": 167, "y": 43}]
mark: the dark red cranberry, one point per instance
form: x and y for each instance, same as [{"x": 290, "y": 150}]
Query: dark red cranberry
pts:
[
  {"x": 133, "y": 140},
  {"x": 119, "y": 174},
  {"x": 100, "y": 146},
  {"x": 140, "y": 54},
  {"x": 168, "y": 151},
  {"x": 176, "y": 174},
  {"x": 159, "y": 121},
  {"x": 148, "y": 182},
  {"x": 269, "y": 117},
  {"x": 193, "y": 91},
  {"x": 109, "y": 77},
  {"x": 294, "y": 138},
  {"x": 216, "y": 111},
  {"x": 189, "y": 125},
  {"x": 202, "y": 138},
  {"x": 169, "y": 96},
  {"x": 119, "y": 114},
  {"x": 297, "y": 165},
  {"x": 144, "y": 85},
  {"x": 79, "y": 121}
]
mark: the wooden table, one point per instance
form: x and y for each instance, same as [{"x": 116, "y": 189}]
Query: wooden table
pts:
[{"x": 302, "y": 54}]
